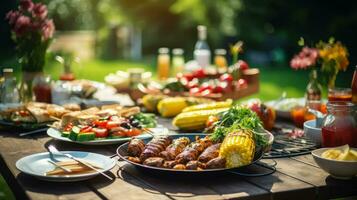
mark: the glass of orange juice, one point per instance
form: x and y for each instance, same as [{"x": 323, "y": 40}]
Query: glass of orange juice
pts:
[
  {"x": 220, "y": 59},
  {"x": 163, "y": 63}
]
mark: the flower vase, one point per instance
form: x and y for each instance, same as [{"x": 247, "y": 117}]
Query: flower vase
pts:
[{"x": 26, "y": 93}]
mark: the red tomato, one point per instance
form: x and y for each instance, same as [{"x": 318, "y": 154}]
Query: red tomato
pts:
[
  {"x": 218, "y": 89},
  {"x": 112, "y": 124},
  {"x": 86, "y": 129},
  {"x": 188, "y": 76},
  {"x": 100, "y": 132},
  {"x": 199, "y": 73},
  {"x": 241, "y": 83},
  {"x": 100, "y": 123},
  {"x": 194, "y": 90},
  {"x": 206, "y": 86},
  {"x": 68, "y": 127},
  {"x": 243, "y": 65},
  {"x": 206, "y": 92},
  {"x": 226, "y": 77},
  {"x": 133, "y": 132}
]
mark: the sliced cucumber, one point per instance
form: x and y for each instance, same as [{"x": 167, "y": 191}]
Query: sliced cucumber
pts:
[
  {"x": 85, "y": 136},
  {"x": 65, "y": 134}
]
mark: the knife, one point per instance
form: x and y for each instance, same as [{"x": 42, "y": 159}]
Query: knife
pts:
[{"x": 53, "y": 150}]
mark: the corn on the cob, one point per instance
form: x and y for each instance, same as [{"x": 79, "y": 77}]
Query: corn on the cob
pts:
[
  {"x": 194, "y": 120},
  {"x": 209, "y": 106},
  {"x": 238, "y": 148},
  {"x": 171, "y": 106},
  {"x": 150, "y": 101}
]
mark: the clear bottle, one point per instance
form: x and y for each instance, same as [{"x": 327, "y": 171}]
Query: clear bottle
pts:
[
  {"x": 163, "y": 63},
  {"x": 9, "y": 90},
  {"x": 313, "y": 89},
  {"x": 202, "y": 53},
  {"x": 220, "y": 59},
  {"x": 178, "y": 61}
]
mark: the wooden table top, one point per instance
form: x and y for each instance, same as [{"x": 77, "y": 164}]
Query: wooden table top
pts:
[{"x": 296, "y": 178}]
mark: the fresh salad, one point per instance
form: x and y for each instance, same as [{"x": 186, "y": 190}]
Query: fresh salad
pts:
[{"x": 110, "y": 127}]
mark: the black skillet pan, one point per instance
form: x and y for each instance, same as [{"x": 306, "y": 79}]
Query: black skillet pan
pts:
[{"x": 122, "y": 153}]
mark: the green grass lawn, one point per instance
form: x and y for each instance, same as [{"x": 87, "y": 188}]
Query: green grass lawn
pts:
[{"x": 273, "y": 81}]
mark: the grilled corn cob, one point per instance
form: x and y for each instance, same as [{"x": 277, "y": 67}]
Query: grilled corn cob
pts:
[
  {"x": 150, "y": 101},
  {"x": 194, "y": 120},
  {"x": 209, "y": 106},
  {"x": 171, "y": 106},
  {"x": 238, "y": 148}
]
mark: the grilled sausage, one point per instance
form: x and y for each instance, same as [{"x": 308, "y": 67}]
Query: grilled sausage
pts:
[
  {"x": 136, "y": 147},
  {"x": 180, "y": 167},
  {"x": 216, "y": 163},
  {"x": 134, "y": 159},
  {"x": 154, "y": 161},
  {"x": 154, "y": 147},
  {"x": 192, "y": 151},
  {"x": 169, "y": 164},
  {"x": 210, "y": 153},
  {"x": 177, "y": 146},
  {"x": 195, "y": 165}
]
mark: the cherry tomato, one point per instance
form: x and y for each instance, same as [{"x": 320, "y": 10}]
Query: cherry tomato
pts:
[
  {"x": 199, "y": 73},
  {"x": 133, "y": 132},
  {"x": 241, "y": 83},
  {"x": 211, "y": 120},
  {"x": 194, "y": 90},
  {"x": 226, "y": 77},
  {"x": 68, "y": 127},
  {"x": 100, "y": 123},
  {"x": 188, "y": 76},
  {"x": 206, "y": 86},
  {"x": 112, "y": 124},
  {"x": 86, "y": 129},
  {"x": 206, "y": 92},
  {"x": 243, "y": 65},
  {"x": 100, "y": 132}
]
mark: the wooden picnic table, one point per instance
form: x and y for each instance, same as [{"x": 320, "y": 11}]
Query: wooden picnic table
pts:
[{"x": 296, "y": 178}]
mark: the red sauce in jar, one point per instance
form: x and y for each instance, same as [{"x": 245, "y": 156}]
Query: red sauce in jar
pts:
[
  {"x": 338, "y": 136},
  {"x": 42, "y": 93}
]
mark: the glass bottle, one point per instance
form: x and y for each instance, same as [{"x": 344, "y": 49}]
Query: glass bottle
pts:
[
  {"x": 354, "y": 87},
  {"x": 163, "y": 63},
  {"x": 220, "y": 59},
  {"x": 9, "y": 90},
  {"x": 202, "y": 53},
  {"x": 178, "y": 61},
  {"x": 339, "y": 127},
  {"x": 41, "y": 87}
]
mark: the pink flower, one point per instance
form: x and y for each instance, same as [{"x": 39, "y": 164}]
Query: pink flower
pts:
[
  {"x": 22, "y": 25},
  {"x": 12, "y": 16},
  {"x": 26, "y": 5},
  {"x": 306, "y": 58},
  {"x": 40, "y": 11},
  {"x": 47, "y": 29}
]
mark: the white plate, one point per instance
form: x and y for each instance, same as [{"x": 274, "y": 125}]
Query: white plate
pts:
[
  {"x": 57, "y": 135},
  {"x": 37, "y": 165}
]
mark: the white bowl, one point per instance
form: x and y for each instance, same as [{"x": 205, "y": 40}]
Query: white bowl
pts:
[
  {"x": 312, "y": 132},
  {"x": 337, "y": 169}
]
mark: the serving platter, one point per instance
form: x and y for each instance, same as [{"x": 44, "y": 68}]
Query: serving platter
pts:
[
  {"x": 122, "y": 152},
  {"x": 38, "y": 164},
  {"x": 54, "y": 133}
]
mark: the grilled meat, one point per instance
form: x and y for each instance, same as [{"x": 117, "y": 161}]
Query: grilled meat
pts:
[
  {"x": 154, "y": 161},
  {"x": 216, "y": 163},
  {"x": 209, "y": 153},
  {"x": 180, "y": 167},
  {"x": 134, "y": 159},
  {"x": 194, "y": 165},
  {"x": 177, "y": 146},
  {"x": 155, "y": 146},
  {"x": 136, "y": 147},
  {"x": 169, "y": 164},
  {"x": 192, "y": 151}
]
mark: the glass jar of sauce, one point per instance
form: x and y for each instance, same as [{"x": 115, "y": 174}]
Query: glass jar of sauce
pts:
[
  {"x": 339, "y": 127},
  {"x": 41, "y": 87}
]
